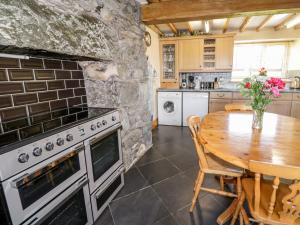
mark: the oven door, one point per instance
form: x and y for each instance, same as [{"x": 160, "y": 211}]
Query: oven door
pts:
[
  {"x": 70, "y": 207},
  {"x": 30, "y": 190},
  {"x": 106, "y": 192},
  {"x": 103, "y": 155}
]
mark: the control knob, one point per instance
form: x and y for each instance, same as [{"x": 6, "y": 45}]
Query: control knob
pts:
[
  {"x": 69, "y": 137},
  {"x": 93, "y": 127},
  {"x": 23, "y": 158},
  {"x": 104, "y": 122},
  {"x": 37, "y": 151},
  {"x": 49, "y": 146},
  {"x": 99, "y": 124},
  {"x": 113, "y": 118},
  {"x": 60, "y": 141}
]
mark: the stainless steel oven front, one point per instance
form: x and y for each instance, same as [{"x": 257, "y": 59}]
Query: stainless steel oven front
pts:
[
  {"x": 72, "y": 207},
  {"x": 33, "y": 188},
  {"x": 107, "y": 191},
  {"x": 103, "y": 155}
]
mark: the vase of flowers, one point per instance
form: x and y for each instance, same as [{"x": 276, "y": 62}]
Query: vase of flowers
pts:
[{"x": 260, "y": 92}]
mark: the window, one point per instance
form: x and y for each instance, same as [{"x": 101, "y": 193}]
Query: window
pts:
[{"x": 249, "y": 58}]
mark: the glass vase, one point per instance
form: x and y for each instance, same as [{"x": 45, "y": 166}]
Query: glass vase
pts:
[{"x": 258, "y": 117}]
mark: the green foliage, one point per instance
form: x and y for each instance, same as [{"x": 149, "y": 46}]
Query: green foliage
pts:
[{"x": 260, "y": 96}]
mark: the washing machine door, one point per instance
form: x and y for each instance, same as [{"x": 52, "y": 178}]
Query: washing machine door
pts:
[{"x": 169, "y": 108}]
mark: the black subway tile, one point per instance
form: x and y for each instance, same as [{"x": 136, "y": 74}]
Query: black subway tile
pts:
[
  {"x": 82, "y": 83},
  {"x": 79, "y": 91},
  {"x": 72, "y": 83},
  {"x": 59, "y": 104},
  {"x": 11, "y": 88},
  {"x": 69, "y": 65},
  {"x": 32, "y": 63},
  {"x": 35, "y": 86},
  {"x": 44, "y": 74},
  {"x": 52, "y": 64},
  {"x": 5, "y": 101},
  {"x": 65, "y": 93},
  {"x": 24, "y": 99},
  {"x": 20, "y": 75},
  {"x": 63, "y": 74},
  {"x": 74, "y": 101},
  {"x": 46, "y": 96},
  {"x": 77, "y": 75},
  {"x": 9, "y": 63},
  {"x": 39, "y": 108},
  {"x": 31, "y": 131},
  {"x": 58, "y": 84},
  {"x": 52, "y": 124},
  {"x": 13, "y": 113},
  {"x": 9, "y": 138},
  {"x": 3, "y": 76},
  {"x": 13, "y": 125}
]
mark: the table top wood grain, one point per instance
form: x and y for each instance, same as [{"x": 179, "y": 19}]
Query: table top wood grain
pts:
[{"x": 229, "y": 135}]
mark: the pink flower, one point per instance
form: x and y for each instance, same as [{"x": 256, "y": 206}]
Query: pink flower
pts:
[
  {"x": 275, "y": 92},
  {"x": 248, "y": 85},
  {"x": 276, "y": 82}
]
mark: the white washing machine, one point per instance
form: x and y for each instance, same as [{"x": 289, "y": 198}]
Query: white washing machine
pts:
[{"x": 170, "y": 108}]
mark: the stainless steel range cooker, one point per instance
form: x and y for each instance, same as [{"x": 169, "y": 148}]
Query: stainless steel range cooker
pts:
[{"x": 62, "y": 169}]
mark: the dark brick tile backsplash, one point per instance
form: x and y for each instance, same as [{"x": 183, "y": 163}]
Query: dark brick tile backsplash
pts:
[
  {"x": 3, "y": 76},
  {"x": 20, "y": 75},
  {"x": 32, "y": 86}
]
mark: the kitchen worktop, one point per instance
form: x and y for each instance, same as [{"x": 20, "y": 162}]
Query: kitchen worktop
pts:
[{"x": 215, "y": 90}]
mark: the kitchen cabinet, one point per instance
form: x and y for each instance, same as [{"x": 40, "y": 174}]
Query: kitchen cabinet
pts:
[
  {"x": 224, "y": 53},
  {"x": 295, "y": 110},
  {"x": 216, "y": 105},
  {"x": 169, "y": 62},
  {"x": 280, "y": 107},
  {"x": 190, "y": 54}
]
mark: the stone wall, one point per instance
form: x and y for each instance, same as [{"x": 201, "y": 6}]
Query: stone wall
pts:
[{"x": 109, "y": 30}]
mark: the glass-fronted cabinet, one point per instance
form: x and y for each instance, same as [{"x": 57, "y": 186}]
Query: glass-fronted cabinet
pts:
[{"x": 169, "y": 61}]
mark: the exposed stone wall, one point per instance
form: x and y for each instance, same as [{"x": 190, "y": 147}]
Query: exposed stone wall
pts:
[{"x": 95, "y": 28}]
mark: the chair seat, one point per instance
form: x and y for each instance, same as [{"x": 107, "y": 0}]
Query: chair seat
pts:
[
  {"x": 266, "y": 189},
  {"x": 221, "y": 167}
]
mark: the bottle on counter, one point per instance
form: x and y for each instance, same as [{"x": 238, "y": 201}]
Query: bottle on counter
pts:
[{"x": 216, "y": 83}]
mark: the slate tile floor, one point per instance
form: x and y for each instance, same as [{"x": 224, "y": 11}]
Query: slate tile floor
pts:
[{"x": 159, "y": 188}]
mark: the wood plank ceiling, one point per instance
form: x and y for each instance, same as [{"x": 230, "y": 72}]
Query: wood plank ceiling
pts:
[{"x": 175, "y": 16}]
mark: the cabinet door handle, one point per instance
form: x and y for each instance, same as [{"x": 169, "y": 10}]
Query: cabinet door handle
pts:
[{"x": 220, "y": 95}]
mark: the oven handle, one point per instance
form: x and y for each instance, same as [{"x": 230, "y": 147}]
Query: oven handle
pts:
[
  {"x": 15, "y": 182},
  {"x": 101, "y": 137},
  {"x": 97, "y": 194}
]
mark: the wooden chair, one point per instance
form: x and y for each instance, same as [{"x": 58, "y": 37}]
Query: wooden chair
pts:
[
  {"x": 210, "y": 164},
  {"x": 272, "y": 201},
  {"x": 233, "y": 107}
]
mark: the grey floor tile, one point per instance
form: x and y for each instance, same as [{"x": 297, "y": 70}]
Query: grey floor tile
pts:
[
  {"x": 158, "y": 171},
  {"x": 205, "y": 213},
  {"x": 134, "y": 181},
  {"x": 105, "y": 218},
  {"x": 166, "y": 221},
  {"x": 176, "y": 192},
  {"x": 140, "y": 208},
  {"x": 184, "y": 161},
  {"x": 151, "y": 155}
]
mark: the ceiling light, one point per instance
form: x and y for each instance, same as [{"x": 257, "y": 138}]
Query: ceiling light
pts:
[
  {"x": 206, "y": 26},
  {"x": 293, "y": 22}
]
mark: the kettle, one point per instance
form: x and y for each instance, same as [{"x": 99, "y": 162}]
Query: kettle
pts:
[{"x": 295, "y": 82}]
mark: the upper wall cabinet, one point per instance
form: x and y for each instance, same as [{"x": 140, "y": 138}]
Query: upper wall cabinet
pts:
[
  {"x": 190, "y": 55},
  {"x": 224, "y": 53},
  {"x": 169, "y": 61}
]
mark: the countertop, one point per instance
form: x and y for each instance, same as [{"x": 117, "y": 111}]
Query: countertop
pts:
[{"x": 214, "y": 90}]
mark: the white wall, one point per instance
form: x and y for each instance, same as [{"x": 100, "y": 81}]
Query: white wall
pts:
[
  {"x": 152, "y": 53},
  {"x": 294, "y": 56}
]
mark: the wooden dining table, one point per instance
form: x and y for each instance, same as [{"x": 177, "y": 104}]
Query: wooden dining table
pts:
[{"x": 229, "y": 136}]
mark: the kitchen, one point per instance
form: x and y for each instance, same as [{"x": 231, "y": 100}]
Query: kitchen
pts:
[{"x": 96, "y": 97}]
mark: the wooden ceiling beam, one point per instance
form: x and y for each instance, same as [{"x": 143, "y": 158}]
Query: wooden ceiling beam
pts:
[
  {"x": 173, "y": 28},
  {"x": 282, "y": 24},
  {"x": 156, "y": 29},
  {"x": 263, "y": 23},
  {"x": 190, "y": 10},
  {"x": 226, "y": 24},
  {"x": 190, "y": 28},
  {"x": 245, "y": 23}
]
